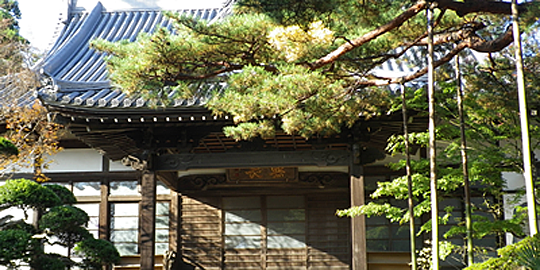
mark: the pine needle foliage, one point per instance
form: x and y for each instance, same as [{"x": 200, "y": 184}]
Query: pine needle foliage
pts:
[{"x": 313, "y": 53}]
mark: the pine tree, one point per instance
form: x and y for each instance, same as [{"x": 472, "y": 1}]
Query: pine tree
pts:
[{"x": 306, "y": 65}]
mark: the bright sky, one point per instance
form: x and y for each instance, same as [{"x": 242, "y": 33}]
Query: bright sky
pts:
[{"x": 39, "y": 20}]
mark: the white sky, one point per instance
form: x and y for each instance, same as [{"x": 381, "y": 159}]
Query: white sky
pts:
[{"x": 39, "y": 20}]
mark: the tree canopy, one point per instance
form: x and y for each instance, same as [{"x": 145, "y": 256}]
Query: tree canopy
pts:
[{"x": 305, "y": 67}]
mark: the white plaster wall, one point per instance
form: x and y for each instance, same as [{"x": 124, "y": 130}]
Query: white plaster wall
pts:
[
  {"x": 118, "y": 166},
  {"x": 75, "y": 160},
  {"x": 513, "y": 180}
]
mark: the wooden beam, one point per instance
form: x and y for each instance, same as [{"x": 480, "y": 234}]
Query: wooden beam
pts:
[
  {"x": 182, "y": 162},
  {"x": 83, "y": 176},
  {"x": 147, "y": 220},
  {"x": 170, "y": 179}
]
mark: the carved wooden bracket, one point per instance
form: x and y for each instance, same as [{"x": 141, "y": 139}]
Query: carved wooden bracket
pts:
[
  {"x": 182, "y": 162},
  {"x": 135, "y": 163},
  {"x": 315, "y": 179}
]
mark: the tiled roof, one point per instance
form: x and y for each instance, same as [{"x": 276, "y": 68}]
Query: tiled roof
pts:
[
  {"x": 13, "y": 92},
  {"x": 77, "y": 74}
]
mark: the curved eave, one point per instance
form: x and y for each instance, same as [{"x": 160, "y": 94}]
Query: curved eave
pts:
[{"x": 181, "y": 115}]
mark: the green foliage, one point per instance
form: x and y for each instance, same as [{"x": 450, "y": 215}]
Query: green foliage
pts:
[
  {"x": 50, "y": 262},
  {"x": 291, "y": 12},
  {"x": 513, "y": 257},
  {"x": 424, "y": 255},
  {"x": 392, "y": 213},
  {"x": 63, "y": 218},
  {"x": 66, "y": 223},
  {"x": 493, "y": 138},
  {"x": 9, "y": 14},
  {"x": 310, "y": 64},
  {"x": 305, "y": 102},
  {"x": 96, "y": 253},
  {"x": 65, "y": 195},
  {"x": 7, "y": 147},
  {"x": 16, "y": 245},
  {"x": 26, "y": 194},
  {"x": 529, "y": 256}
]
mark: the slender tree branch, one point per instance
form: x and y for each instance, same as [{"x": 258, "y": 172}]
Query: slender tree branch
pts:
[
  {"x": 348, "y": 46},
  {"x": 461, "y": 8}
]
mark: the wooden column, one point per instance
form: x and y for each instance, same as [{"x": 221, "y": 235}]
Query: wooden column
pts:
[
  {"x": 358, "y": 224},
  {"x": 147, "y": 219},
  {"x": 175, "y": 223},
  {"x": 104, "y": 208}
]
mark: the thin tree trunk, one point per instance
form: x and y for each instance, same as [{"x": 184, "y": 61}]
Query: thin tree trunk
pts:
[
  {"x": 409, "y": 179},
  {"x": 465, "y": 166},
  {"x": 525, "y": 140},
  {"x": 432, "y": 147}
]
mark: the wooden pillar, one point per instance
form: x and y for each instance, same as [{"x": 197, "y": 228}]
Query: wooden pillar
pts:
[
  {"x": 358, "y": 224},
  {"x": 175, "y": 223},
  {"x": 104, "y": 207},
  {"x": 147, "y": 219}
]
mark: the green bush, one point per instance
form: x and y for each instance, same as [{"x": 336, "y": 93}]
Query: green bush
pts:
[
  {"x": 7, "y": 147},
  {"x": 26, "y": 194},
  {"x": 16, "y": 245},
  {"x": 67, "y": 223},
  {"x": 65, "y": 195},
  {"x": 51, "y": 262},
  {"x": 59, "y": 222},
  {"x": 96, "y": 253},
  {"x": 509, "y": 257},
  {"x": 63, "y": 218}
]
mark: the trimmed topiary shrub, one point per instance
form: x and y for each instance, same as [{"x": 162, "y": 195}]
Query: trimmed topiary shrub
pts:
[
  {"x": 65, "y": 195},
  {"x": 27, "y": 194},
  {"x": 96, "y": 253}
]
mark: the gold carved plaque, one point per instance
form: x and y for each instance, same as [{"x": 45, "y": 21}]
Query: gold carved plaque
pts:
[{"x": 285, "y": 174}]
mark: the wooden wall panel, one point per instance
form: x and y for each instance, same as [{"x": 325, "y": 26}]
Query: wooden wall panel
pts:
[
  {"x": 243, "y": 259},
  {"x": 201, "y": 239},
  {"x": 328, "y": 236}
]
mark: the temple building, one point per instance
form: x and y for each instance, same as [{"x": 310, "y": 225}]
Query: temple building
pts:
[{"x": 167, "y": 185}]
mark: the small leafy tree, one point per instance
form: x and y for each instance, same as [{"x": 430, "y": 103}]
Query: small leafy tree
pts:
[
  {"x": 60, "y": 223},
  {"x": 493, "y": 135},
  {"x": 33, "y": 131}
]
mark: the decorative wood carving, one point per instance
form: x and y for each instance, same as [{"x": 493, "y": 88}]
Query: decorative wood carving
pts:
[
  {"x": 267, "y": 174},
  {"x": 262, "y": 177},
  {"x": 200, "y": 182},
  {"x": 324, "y": 179},
  {"x": 135, "y": 163},
  {"x": 182, "y": 162}
]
